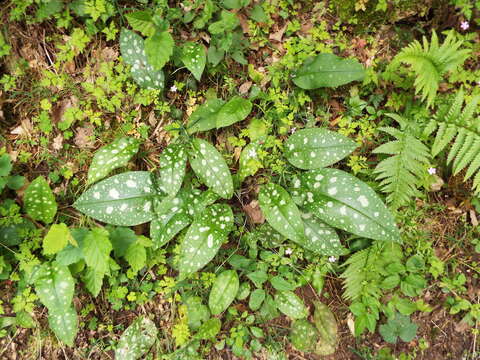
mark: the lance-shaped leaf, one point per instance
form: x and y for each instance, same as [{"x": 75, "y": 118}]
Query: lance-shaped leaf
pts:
[
  {"x": 124, "y": 199},
  {"x": 204, "y": 118},
  {"x": 166, "y": 227},
  {"x": 39, "y": 201},
  {"x": 132, "y": 47},
  {"x": 137, "y": 339},
  {"x": 224, "y": 291},
  {"x": 63, "y": 322},
  {"x": 281, "y": 212},
  {"x": 54, "y": 286},
  {"x": 159, "y": 48},
  {"x": 211, "y": 168},
  {"x": 327, "y": 70},
  {"x": 291, "y": 305},
  {"x": 317, "y": 148},
  {"x": 303, "y": 335},
  {"x": 172, "y": 168},
  {"x": 235, "y": 110},
  {"x": 194, "y": 57},
  {"x": 111, "y": 157},
  {"x": 326, "y": 324},
  {"x": 320, "y": 237},
  {"x": 343, "y": 201},
  {"x": 204, "y": 238}
]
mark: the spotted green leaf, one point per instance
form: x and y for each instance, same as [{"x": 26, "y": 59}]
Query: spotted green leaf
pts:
[
  {"x": 235, "y": 110},
  {"x": 281, "y": 212},
  {"x": 132, "y": 48},
  {"x": 224, "y": 291},
  {"x": 63, "y": 322},
  {"x": 343, "y": 201},
  {"x": 249, "y": 160},
  {"x": 194, "y": 57},
  {"x": 111, "y": 157},
  {"x": 54, "y": 286},
  {"x": 137, "y": 339},
  {"x": 39, "y": 201},
  {"x": 166, "y": 227},
  {"x": 172, "y": 168},
  {"x": 326, "y": 325},
  {"x": 317, "y": 148},
  {"x": 327, "y": 70},
  {"x": 124, "y": 199},
  {"x": 303, "y": 335},
  {"x": 204, "y": 118},
  {"x": 204, "y": 238},
  {"x": 211, "y": 168},
  {"x": 320, "y": 237},
  {"x": 96, "y": 250},
  {"x": 291, "y": 305},
  {"x": 57, "y": 238},
  {"x": 141, "y": 21}
]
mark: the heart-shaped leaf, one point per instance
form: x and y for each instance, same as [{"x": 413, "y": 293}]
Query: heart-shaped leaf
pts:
[
  {"x": 63, "y": 322},
  {"x": 194, "y": 57},
  {"x": 211, "y": 168},
  {"x": 320, "y": 238},
  {"x": 235, "y": 110},
  {"x": 317, "y": 148},
  {"x": 39, "y": 201},
  {"x": 172, "y": 168},
  {"x": 281, "y": 212},
  {"x": 327, "y": 70},
  {"x": 137, "y": 339},
  {"x": 291, "y": 305},
  {"x": 204, "y": 118},
  {"x": 224, "y": 291},
  {"x": 204, "y": 238},
  {"x": 159, "y": 48},
  {"x": 124, "y": 199},
  {"x": 343, "y": 201},
  {"x": 111, "y": 157}
]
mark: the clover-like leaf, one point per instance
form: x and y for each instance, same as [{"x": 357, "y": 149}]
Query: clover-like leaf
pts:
[
  {"x": 281, "y": 212},
  {"x": 194, "y": 57},
  {"x": 124, "y": 199},
  {"x": 343, "y": 201},
  {"x": 159, "y": 49},
  {"x": 63, "y": 322},
  {"x": 327, "y": 70},
  {"x": 317, "y": 148},
  {"x": 211, "y": 168},
  {"x": 137, "y": 339},
  {"x": 327, "y": 327},
  {"x": 39, "y": 201},
  {"x": 172, "y": 168},
  {"x": 291, "y": 305},
  {"x": 204, "y": 238},
  {"x": 224, "y": 291},
  {"x": 320, "y": 237},
  {"x": 235, "y": 110},
  {"x": 204, "y": 118},
  {"x": 111, "y": 157}
]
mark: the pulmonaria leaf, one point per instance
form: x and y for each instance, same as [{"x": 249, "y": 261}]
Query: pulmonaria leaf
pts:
[
  {"x": 39, "y": 201},
  {"x": 132, "y": 48},
  {"x": 256, "y": 299},
  {"x": 281, "y": 212},
  {"x": 111, "y": 157},
  {"x": 209, "y": 329},
  {"x": 54, "y": 286},
  {"x": 96, "y": 250},
  {"x": 141, "y": 21},
  {"x": 204, "y": 118},
  {"x": 224, "y": 291},
  {"x": 63, "y": 322},
  {"x": 194, "y": 57},
  {"x": 124, "y": 199},
  {"x": 204, "y": 238},
  {"x": 320, "y": 237},
  {"x": 303, "y": 335},
  {"x": 172, "y": 168},
  {"x": 159, "y": 49},
  {"x": 343, "y": 201},
  {"x": 327, "y": 70},
  {"x": 327, "y": 329},
  {"x": 211, "y": 168},
  {"x": 57, "y": 238},
  {"x": 235, "y": 110},
  {"x": 166, "y": 227},
  {"x": 291, "y": 305},
  {"x": 317, "y": 148},
  {"x": 137, "y": 339},
  {"x": 249, "y": 160}
]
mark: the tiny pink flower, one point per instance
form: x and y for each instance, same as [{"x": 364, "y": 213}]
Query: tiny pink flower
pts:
[
  {"x": 432, "y": 171},
  {"x": 464, "y": 25}
]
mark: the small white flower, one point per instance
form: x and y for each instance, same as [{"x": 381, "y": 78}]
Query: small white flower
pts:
[
  {"x": 464, "y": 25},
  {"x": 332, "y": 259},
  {"x": 293, "y": 130},
  {"x": 252, "y": 153},
  {"x": 432, "y": 171},
  {"x": 173, "y": 88},
  {"x": 288, "y": 251}
]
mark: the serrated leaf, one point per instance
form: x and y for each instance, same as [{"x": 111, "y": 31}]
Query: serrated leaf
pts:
[
  {"x": 96, "y": 250},
  {"x": 54, "y": 286},
  {"x": 124, "y": 199},
  {"x": 211, "y": 168},
  {"x": 320, "y": 238},
  {"x": 327, "y": 70},
  {"x": 281, "y": 212},
  {"x": 194, "y": 57},
  {"x": 172, "y": 168},
  {"x": 303, "y": 335},
  {"x": 63, "y": 322},
  {"x": 121, "y": 238},
  {"x": 317, "y": 148},
  {"x": 204, "y": 118},
  {"x": 137, "y": 339},
  {"x": 69, "y": 255},
  {"x": 235, "y": 110},
  {"x": 57, "y": 238},
  {"x": 343, "y": 201},
  {"x": 291, "y": 305},
  {"x": 204, "y": 238},
  {"x": 159, "y": 48},
  {"x": 326, "y": 325},
  {"x": 224, "y": 291},
  {"x": 93, "y": 281},
  {"x": 141, "y": 21},
  {"x": 136, "y": 256},
  {"x": 111, "y": 157},
  {"x": 39, "y": 201},
  {"x": 256, "y": 299}
]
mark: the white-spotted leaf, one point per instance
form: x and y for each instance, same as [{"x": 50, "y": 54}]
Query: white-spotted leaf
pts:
[
  {"x": 159, "y": 48},
  {"x": 54, "y": 286},
  {"x": 281, "y": 212},
  {"x": 327, "y": 329},
  {"x": 224, "y": 291},
  {"x": 137, "y": 339},
  {"x": 317, "y": 148},
  {"x": 194, "y": 57},
  {"x": 327, "y": 70},
  {"x": 211, "y": 168},
  {"x": 172, "y": 168},
  {"x": 204, "y": 118},
  {"x": 320, "y": 237},
  {"x": 291, "y": 305},
  {"x": 249, "y": 160},
  {"x": 235, "y": 110},
  {"x": 39, "y": 201},
  {"x": 124, "y": 199},
  {"x": 63, "y": 322},
  {"x": 111, "y": 157},
  {"x": 166, "y": 227}
]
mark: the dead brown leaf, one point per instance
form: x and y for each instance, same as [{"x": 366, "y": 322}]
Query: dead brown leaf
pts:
[
  {"x": 278, "y": 35},
  {"x": 473, "y": 217},
  {"x": 243, "y": 89},
  {"x": 83, "y": 137},
  {"x": 25, "y": 129},
  {"x": 58, "y": 142},
  {"x": 243, "y": 23},
  {"x": 254, "y": 212}
]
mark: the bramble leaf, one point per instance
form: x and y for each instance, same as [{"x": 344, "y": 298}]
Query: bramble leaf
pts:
[
  {"x": 224, "y": 291},
  {"x": 141, "y": 21},
  {"x": 136, "y": 256},
  {"x": 93, "y": 281},
  {"x": 39, "y": 201},
  {"x": 291, "y": 305},
  {"x": 194, "y": 57},
  {"x": 57, "y": 238},
  {"x": 159, "y": 48},
  {"x": 96, "y": 250},
  {"x": 172, "y": 168}
]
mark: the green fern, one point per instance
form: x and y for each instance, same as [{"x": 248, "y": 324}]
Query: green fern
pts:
[
  {"x": 401, "y": 173},
  {"x": 431, "y": 61},
  {"x": 456, "y": 123}
]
